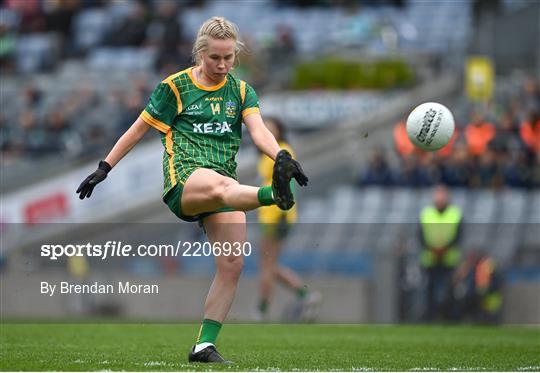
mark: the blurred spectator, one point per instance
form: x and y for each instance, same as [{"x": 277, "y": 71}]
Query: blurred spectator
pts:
[
  {"x": 130, "y": 111},
  {"x": 284, "y": 46},
  {"x": 166, "y": 28},
  {"x": 30, "y": 137},
  {"x": 506, "y": 141},
  {"x": 32, "y": 97},
  {"x": 440, "y": 228},
  {"x": 477, "y": 288},
  {"x": 535, "y": 172},
  {"x": 140, "y": 85},
  {"x": 516, "y": 172},
  {"x": 95, "y": 139},
  {"x": 404, "y": 147},
  {"x": 60, "y": 136},
  {"x": 59, "y": 15},
  {"x": 82, "y": 102},
  {"x": 447, "y": 150},
  {"x": 6, "y": 140},
  {"x": 530, "y": 132},
  {"x": 456, "y": 171},
  {"x": 165, "y": 33},
  {"x": 32, "y": 19},
  {"x": 488, "y": 157},
  {"x": 478, "y": 135},
  {"x": 378, "y": 171},
  {"x": 531, "y": 95},
  {"x": 486, "y": 173},
  {"x": 131, "y": 32},
  {"x": 418, "y": 171},
  {"x": 8, "y": 41}
]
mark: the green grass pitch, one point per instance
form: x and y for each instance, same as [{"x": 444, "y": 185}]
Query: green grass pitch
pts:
[{"x": 164, "y": 347}]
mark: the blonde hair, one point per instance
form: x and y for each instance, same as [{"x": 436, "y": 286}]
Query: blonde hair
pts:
[{"x": 216, "y": 28}]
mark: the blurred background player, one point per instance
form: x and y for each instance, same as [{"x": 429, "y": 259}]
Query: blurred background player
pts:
[
  {"x": 478, "y": 286},
  {"x": 440, "y": 228},
  {"x": 275, "y": 226}
]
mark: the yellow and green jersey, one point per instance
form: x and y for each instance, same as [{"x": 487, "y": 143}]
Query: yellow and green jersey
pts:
[
  {"x": 200, "y": 125},
  {"x": 273, "y": 214}
]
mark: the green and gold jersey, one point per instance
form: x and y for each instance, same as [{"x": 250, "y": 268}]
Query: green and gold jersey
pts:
[{"x": 200, "y": 125}]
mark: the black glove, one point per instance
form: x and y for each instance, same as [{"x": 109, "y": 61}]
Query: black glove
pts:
[
  {"x": 299, "y": 174},
  {"x": 87, "y": 186}
]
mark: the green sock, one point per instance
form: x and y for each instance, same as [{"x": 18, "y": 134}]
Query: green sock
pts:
[
  {"x": 263, "y": 306},
  {"x": 265, "y": 196},
  {"x": 301, "y": 292},
  {"x": 292, "y": 183},
  {"x": 209, "y": 331}
]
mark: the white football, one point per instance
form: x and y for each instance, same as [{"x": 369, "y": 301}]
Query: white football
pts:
[{"x": 430, "y": 126}]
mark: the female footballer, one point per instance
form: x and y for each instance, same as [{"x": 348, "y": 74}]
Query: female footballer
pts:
[
  {"x": 199, "y": 112},
  {"x": 275, "y": 225}
]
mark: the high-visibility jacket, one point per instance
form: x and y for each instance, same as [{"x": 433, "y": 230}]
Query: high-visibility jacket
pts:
[
  {"x": 531, "y": 135},
  {"x": 404, "y": 146},
  {"x": 439, "y": 232},
  {"x": 447, "y": 150},
  {"x": 478, "y": 137},
  {"x": 78, "y": 267}
]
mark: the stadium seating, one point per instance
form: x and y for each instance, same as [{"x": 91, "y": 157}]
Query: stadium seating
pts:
[
  {"x": 126, "y": 59},
  {"x": 322, "y": 28},
  {"x": 380, "y": 219},
  {"x": 36, "y": 52},
  {"x": 90, "y": 27},
  {"x": 440, "y": 25}
]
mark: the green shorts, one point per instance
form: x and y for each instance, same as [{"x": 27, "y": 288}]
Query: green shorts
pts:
[
  {"x": 173, "y": 198},
  {"x": 276, "y": 231}
]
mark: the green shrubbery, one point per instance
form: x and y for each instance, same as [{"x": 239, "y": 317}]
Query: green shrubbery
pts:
[{"x": 340, "y": 74}]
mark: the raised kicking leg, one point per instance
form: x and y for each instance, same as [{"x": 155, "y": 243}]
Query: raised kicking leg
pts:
[{"x": 206, "y": 190}]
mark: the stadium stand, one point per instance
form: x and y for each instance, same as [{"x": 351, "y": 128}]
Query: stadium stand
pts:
[
  {"x": 372, "y": 218},
  {"x": 90, "y": 28},
  {"x": 58, "y": 112}
]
